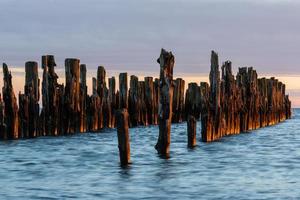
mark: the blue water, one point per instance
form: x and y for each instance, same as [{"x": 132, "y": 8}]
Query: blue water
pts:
[{"x": 262, "y": 164}]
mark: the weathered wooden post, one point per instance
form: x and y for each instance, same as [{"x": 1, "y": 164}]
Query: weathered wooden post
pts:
[
  {"x": 101, "y": 89},
  {"x": 94, "y": 108},
  {"x": 166, "y": 61},
  {"x": 72, "y": 94},
  {"x": 156, "y": 100},
  {"x": 83, "y": 99},
  {"x": 33, "y": 94},
  {"x": 178, "y": 101},
  {"x": 51, "y": 117},
  {"x": 192, "y": 101},
  {"x": 123, "y": 89},
  {"x": 142, "y": 105},
  {"x": 214, "y": 98},
  {"x": 263, "y": 90},
  {"x": 3, "y": 134},
  {"x": 23, "y": 116},
  {"x": 229, "y": 106},
  {"x": 112, "y": 99},
  {"x": 133, "y": 104},
  {"x": 123, "y": 137},
  {"x": 191, "y": 131},
  {"x": 11, "y": 117},
  {"x": 206, "y": 125},
  {"x": 149, "y": 97}
]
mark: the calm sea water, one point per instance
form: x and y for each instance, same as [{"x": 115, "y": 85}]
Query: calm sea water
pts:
[{"x": 262, "y": 164}]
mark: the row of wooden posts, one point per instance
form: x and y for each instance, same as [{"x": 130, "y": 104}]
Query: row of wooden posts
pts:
[{"x": 227, "y": 105}]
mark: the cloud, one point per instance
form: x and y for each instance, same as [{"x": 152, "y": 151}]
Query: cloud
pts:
[{"x": 128, "y": 35}]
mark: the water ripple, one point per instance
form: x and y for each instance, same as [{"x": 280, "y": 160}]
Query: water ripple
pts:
[{"x": 262, "y": 164}]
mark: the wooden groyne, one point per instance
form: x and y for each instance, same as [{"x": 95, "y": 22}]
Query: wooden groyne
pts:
[{"x": 226, "y": 105}]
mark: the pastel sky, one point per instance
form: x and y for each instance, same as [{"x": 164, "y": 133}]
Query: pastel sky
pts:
[{"x": 126, "y": 35}]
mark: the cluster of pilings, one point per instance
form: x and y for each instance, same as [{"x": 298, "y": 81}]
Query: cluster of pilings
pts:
[
  {"x": 227, "y": 105},
  {"x": 232, "y": 105}
]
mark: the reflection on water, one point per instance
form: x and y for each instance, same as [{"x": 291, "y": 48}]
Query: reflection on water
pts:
[{"x": 262, "y": 164}]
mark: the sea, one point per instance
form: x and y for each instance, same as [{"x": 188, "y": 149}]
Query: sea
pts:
[{"x": 259, "y": 164}]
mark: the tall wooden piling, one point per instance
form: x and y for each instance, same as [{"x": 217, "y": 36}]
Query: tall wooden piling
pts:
[
  {"x": 72, "y": 94},
  {"x": 112, "y": 100},
  {"x": 32, "y": 92},
  {"x": 94, "y": 108},
  {"x": 133, "y": 103},
  {"x": 3, "y": 134},
  {"x": 101, "y": 90},
  {"x": 149, "y": 99},
  {"x": 206, "y": 125},
  {"x": 123, "y": 90},
  {"x": 142, "y": 104},
  {"x": 11, "y": 118},
  {"x": 51, "y": 118},
  {"x": 156, "y": 100},
  {"x": 166, "y": 61},
  {"x": 83, "y": 99},
  {"x": 178, "y": 101},
  {"x": 123, "y": 136}
]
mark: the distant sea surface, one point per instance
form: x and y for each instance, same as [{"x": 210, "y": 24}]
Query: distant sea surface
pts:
[{"x": 261, "y": 164}]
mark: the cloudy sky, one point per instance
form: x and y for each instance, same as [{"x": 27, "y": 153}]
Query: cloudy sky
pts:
[{"x": 126, "y": 35}]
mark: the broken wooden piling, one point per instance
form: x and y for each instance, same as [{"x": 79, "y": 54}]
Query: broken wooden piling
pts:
[
  {"x": 191, "y": 131},
  {"x": 123, "y": 89},
  {"x": 11, "y": 118},
  {"x": 123, "y": 136},
  {"x": 149, "y": 100},
  {"x": 133, "y": 103},
  {"x": 2, "y": 122},
  {"x": 72, "y": 94},
  {"x": 112, "y": 101},
  {"x": 166, "y": 61},
  {"x": 178, "y": 101}
]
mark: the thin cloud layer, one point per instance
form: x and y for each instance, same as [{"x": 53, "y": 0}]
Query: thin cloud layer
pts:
[{"x": 127, "y": 35}]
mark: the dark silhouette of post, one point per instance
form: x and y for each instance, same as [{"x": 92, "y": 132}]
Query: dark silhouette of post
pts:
[
  {"x": 166, "y": 61},
  {"x": 123, "y": 136},
  {"x": 11, "y": 117},
  {"x": 191, "y": 131}
]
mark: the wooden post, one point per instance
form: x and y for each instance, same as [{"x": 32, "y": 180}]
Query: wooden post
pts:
[
  {"x": 11, "y": 118},
  {"x": 94, "y": 108},
  {"x": 52, "y": 99},
  {"x": 206, "y": 125},
  {"x": 133, "y": 104},
  {"x": 191, "y": 131},
  {"x": 32, "y": 92},
  {"x": 3, "y": 134},
  {"x": 101, "y": 90},
  {"x": 214, "y": 98},
  {"x": 142, "y": 104},
  {"x": 178, "y": 101},
  {"x": 166, "y": 61},
  {"x": 72, "y": 94},
  {"x": 23, "y": 116},
  {"x": 123, "y": 137},
  {"x": 123, "y": 89},
  {"x": 112, "y": 99},
  {"x": 192, "y": 101},
  {"x": 149, "y": 97},
  {"x": 156, "y": 100},
  {"x": 83, "y": 99}
]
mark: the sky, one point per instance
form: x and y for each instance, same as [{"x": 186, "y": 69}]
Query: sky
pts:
[{"x": 127, "y": 35}]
